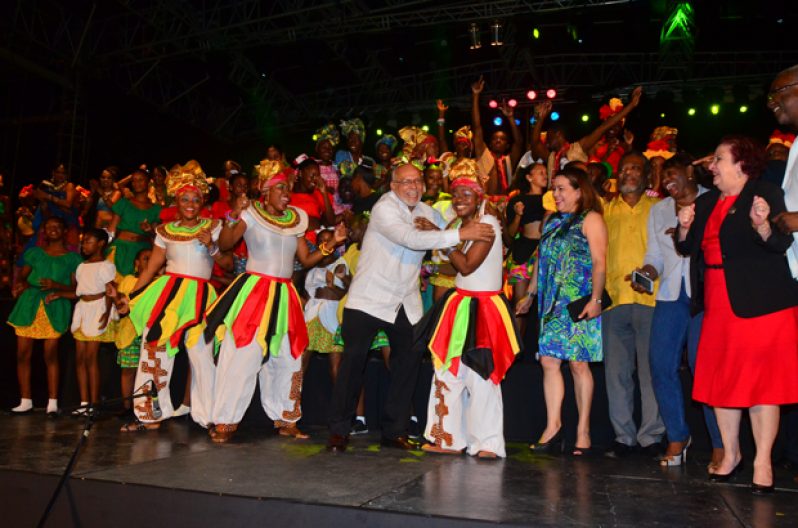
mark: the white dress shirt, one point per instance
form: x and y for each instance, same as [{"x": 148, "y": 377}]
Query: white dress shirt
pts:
[
  {"x": 390, "y": 260},
  {"x": 661, "y": 254},
  {"x": 790, "y": 186}
]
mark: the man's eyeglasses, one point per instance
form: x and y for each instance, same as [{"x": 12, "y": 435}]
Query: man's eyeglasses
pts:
[{"x": 408, "y": 182}]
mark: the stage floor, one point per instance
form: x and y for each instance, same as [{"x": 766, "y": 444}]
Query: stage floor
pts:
[{"x": 414, "y": 487}]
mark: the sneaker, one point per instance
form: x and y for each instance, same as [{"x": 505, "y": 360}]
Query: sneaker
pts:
[{"x": 359, "y": 427}]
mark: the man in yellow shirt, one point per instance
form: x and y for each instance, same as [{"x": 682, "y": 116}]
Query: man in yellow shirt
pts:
[{"x": 626, "y": 326}]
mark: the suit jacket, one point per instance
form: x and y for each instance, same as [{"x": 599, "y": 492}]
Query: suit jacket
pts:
[{"x": 757, "y": 275}]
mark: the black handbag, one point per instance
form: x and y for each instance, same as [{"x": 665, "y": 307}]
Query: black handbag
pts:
[{"x": 575, "y": 307}]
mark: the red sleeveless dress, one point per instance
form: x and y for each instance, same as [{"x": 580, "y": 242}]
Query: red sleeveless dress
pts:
[{"x": 741, "y": 362}]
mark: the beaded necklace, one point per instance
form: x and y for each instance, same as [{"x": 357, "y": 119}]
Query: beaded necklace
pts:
[
  {"x": 289, "y": 218},
  {"x": 175, "y": 231}
]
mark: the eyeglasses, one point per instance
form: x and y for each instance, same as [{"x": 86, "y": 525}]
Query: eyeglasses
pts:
[
  {"x": 408, "y": 182},
  {"x": 772, "y": 93}
]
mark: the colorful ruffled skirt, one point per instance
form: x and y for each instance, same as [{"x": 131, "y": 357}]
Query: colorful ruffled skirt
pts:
[
  {"x": 476, "y": 328},
  {"x": 172, "y": 308},
  {"x": 261, "y": 307}
]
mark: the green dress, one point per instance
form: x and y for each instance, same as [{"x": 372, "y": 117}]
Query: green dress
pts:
[
  {"x": 43, "y": 266},
  {"x": 565, "y": 273},
  {"x": 125, "y": 251}
]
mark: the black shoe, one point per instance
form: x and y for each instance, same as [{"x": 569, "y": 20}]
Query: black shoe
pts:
[
  {"x": 400, "y": 442},
  {"x": 654, "y": 450},
  {"x": 726, "y": 477},
  {"x": 359, "y": 427},
  {"x": 552, "y": 446},
  {"x": 758, "y": 489},
  {"x": 414, "y": 429},
  {"x": 619, "y": 450}
]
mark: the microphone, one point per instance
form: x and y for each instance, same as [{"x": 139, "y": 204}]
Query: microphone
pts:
[{"x": 156, "y": 406}]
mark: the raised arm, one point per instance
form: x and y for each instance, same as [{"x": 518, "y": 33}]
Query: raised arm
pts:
[
  {"x": 476, "y": 121},
  {"x": 518, "y": 142},
  {"x": 442, "y": 108},
  {"x": 537, "y": 146},
  {"x": 590, "y": 140}
]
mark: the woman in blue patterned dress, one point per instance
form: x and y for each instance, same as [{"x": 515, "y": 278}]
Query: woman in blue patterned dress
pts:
[{"x": 571, "y": 265}]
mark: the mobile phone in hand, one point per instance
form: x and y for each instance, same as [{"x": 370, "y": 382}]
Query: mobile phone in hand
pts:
[{"x": 643, "y": 281}]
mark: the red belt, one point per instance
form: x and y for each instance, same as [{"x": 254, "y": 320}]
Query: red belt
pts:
[{"x": 469, "y": 293}]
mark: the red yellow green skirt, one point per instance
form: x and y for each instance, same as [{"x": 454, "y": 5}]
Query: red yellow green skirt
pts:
[
  {"x": 476, "y": 328},
  {"x": 172, "y": 307},
  {"x": 261, "y": 307}
]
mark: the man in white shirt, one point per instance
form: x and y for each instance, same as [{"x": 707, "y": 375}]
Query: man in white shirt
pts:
[
  {"x": 782, "y": 99},
  {"x": 384, "y": 295}
]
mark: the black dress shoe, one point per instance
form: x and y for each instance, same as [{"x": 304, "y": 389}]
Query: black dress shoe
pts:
[
  {"x": 758, "y": 489},
  {"x": 400, "y": 442},
  {"x": 619, "y": 450},
  {"x": 654, "y": 450},
  {"x": 726, "y": 477},
  {"x": 337, "y": 443}
]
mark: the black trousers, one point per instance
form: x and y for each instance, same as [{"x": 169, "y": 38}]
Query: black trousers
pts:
[{"x": 358, "y": 330}]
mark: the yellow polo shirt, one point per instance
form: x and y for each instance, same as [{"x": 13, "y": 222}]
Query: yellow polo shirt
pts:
[{"x": 627, "y": 227}]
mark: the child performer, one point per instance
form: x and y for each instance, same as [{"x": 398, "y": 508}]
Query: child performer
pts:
[
  {"x": 473, "y": 341},
  {"x": 40, "y": 311}
]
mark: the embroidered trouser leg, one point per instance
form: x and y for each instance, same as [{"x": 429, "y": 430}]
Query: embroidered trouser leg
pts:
[
  {"x": 155, "y": 366},
  {"x": 203, "y": 373},
  {"x": 281, "y": 385}
]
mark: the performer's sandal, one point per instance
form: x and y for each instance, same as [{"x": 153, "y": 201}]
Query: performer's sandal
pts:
[
  {"x": 221, "y": 433},
  {"x": 137, "y": 425},
  {"x": 291, "y": 430},
  {"x": 487, "y": 455}
]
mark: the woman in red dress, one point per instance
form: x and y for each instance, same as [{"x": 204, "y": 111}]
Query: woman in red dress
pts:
[{"x": 748, "y": 351}]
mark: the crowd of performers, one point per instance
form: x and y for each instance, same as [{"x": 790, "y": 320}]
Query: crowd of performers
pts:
[{"x": 425, "y": 249}]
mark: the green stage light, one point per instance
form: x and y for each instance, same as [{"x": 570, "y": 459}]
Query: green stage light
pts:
[
  {"x": 379, "y": 131},
  {"x": 536, "y": 33},
  {"x": 425, "y": 128},
  {"x": 315, "y": 137},
  {"x": 585, "y": 118},
  {"x": 691, "y": 112},
  {"x": 714, "y": 109},
  {"x": 743, "y": 109},
  {"x": 662, "y": 115}
]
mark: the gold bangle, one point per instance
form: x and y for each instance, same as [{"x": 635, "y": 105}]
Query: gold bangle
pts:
[{"x": 324, "y": 251}]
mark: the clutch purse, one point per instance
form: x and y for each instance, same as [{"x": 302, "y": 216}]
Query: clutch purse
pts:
[{"x": 575, "y": 307}]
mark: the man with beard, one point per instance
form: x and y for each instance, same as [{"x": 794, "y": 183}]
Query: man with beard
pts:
[
  {"x": 782, "y": 99},
  {"x": 626, "y": 325},
  {"x": 384, "y": 295}
]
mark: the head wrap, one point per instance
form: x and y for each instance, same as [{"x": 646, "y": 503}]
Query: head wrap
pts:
[
  {"x": 328, "y": 132},
  {"x": 464, "y": 168},
  {"x": 188, "y": 177},
  {"x": 26, "y": 191},
  {"x": 267, "y": 169},
  {"x": 608, "y": 110},
  {"x": 662, "y": 132},
  {"x": 387, "y": 139},
  {"x": 280, "y": 177},
  {"x": 413, "y": 136},
  {"x": 467, "y": 182},
  {"x": 781, "y": 138},
  {"x": 353, "y": 125},
  {"x": 659, "y": 147},
  {"x": 464, "y": 134},
  {"x": 405, "y": 160}
]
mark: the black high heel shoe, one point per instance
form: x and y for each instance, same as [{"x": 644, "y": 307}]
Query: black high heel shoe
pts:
[
  {"x": 554, "y": 445},
  {"x": 759, "y": 489},
  {"x": 717, "y": 477}
]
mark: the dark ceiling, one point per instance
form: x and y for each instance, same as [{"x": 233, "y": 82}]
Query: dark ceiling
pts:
[{"x": 239, "y": 71}]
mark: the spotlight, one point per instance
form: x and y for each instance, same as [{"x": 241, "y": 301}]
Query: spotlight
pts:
[
  {"x": 451, "y": 131},
  {"x": 496, "y": 33},
  {"x": 714, "y": 109},
  {"x": 551, "y": 93},
  {"x": 493, "y": 103},
  {"x": 512, "y": 103},
  {"x": 531, "y": 95},
  {"x": 379, "y": 131},
  {"x": 536, "y": 33},
  {"x": 517, "y": 122},
  {"x": 474, "y": 36},
  {"x": 555, "y": 116},
  {"x": 662, "y": 115},
  {"x": 743, "y": 109},
  {"x": 425, "y": 128},
  {"x": 691, "y": 112},
  {"x": 497, "y": 121},
  {"x": 315, "y": 137},
  {"x": 532, "y": 120},
  {"x": 585, "y": 118}
]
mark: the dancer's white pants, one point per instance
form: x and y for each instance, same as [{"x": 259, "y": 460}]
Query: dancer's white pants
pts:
[
  {"x": 156, "y": 365},
  {"x": 465, "y": 411},
  {"x": 239, "y": 369}
]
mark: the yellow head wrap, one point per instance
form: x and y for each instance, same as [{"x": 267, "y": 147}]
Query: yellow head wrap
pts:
[
  {"x": 267, "y": 169},
  {"x": 186, "y": 177}
]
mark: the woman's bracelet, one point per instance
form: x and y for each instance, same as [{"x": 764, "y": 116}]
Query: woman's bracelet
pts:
[
  {"x": 324, "y": 251},
  {"x": 231, "y": 221},
  {"x": 213, "y": 250}
]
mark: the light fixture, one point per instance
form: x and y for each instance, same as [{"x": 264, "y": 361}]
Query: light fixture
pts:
[
  {"x": 585, "y": 118},
  {"x": 425, "y": 128},
  {"x": 474, "y": 36},
  {"x": 497, "y": 121},
  {"x": 315, "y": 137},
  {"x": 662, "y": 115},
  {"x": 691, "y": 111},
  {"x": 535, "y": 33},
  {"x": 743, "y": 109},
  {"x": 531, "y": 95},
  {"x": 714, "y": 109},
  {"x": 496, "y": 33},
  {"x": 517, "y": 122},
  {"x": 551, "y": 93},
  {"x": 532, "y": 120},
  {"x": 493, "y": 103},
  {"x": 379, "y": 131},
  {"x": 512, "y": 103},
  {"x": 555, "y": 116}
]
